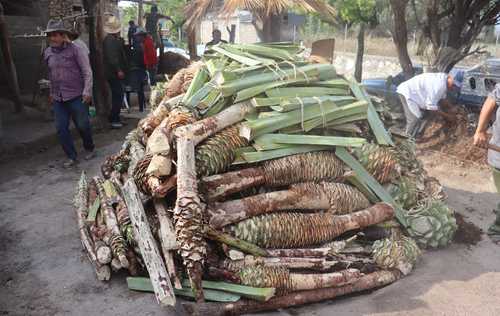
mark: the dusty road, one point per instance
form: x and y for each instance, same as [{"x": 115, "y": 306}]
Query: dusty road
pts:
[{"x": 43, "y": 271}]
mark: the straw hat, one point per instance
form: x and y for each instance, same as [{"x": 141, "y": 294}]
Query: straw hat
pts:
[
  {"x": 112, "y": 25},
  {"x": 56, "y": 26}
]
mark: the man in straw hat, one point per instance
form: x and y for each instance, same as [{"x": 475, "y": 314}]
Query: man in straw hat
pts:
[
  {"x": 115, "y": 67},
  {"x": 70, "y": 78}
]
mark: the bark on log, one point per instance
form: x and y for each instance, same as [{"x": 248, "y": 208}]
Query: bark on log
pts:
[
  {"x": 368, "y": 282},
  {"x": 188, "y": 213},
  {"x": 149, "y": 250},
  {"x": 309, "y": 167},
  {"x": 117, "y": 242},
  {"x": 299, "y": 253},
  {"x": 219, "y": 186},
  {"x": 339, "y": 198},
  {"x": 103, "y": 271},
  {"x": 167, "y": 240},
  {"x": 319, "y": 264},
  {"x": 290, "y": 230}
]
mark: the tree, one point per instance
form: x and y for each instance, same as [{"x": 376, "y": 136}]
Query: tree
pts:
[
  {"x": 400, "y": 35},
  {"x": 449, "y": 29},
  {"x": 363, "y": 13}
]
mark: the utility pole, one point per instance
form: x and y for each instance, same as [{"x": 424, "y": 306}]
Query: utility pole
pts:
[{"x": 9, "y": 62}]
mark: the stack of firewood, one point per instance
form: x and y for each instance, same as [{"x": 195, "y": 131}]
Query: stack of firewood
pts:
[{"x": 260, "y": 181}]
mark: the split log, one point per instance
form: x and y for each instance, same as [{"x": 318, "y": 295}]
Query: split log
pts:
[
  {"x": 103, "y": 251},
  {"x": 283, "y": 262},
  {"x": 188, "y": 213},
  {"x": 368, "y": 282},
  {"x": 167, "y": 240},
  {"x": 151, "y": 122},
  {"x": 103, "y": 271},
  {"x": 338, "y": 198},
  {"x": 290, "y": 230},
  {"x": 149, "y": 250},
  {"x": 309, "y": 167},
  {"x": 117, "y": 242}
]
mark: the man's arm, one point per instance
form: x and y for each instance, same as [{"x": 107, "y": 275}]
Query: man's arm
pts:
[
  {"x": 83, "y": 61},
  {"x": 480, "y": 137}
]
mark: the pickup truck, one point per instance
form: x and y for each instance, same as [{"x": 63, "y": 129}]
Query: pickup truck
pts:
[{"x": 478, "y": 82}]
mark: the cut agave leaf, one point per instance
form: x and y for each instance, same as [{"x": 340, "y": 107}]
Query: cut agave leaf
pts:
[
  {"x": 144, "y": 285},
  {"x": 311, "y": 140},
  {"x": 293, "y": 92},
  {"x": 366, "y": 178},
  {"x": 253, "y": 157},
  {"x": 328, "y": 110},
  {"x": 377, "y": 126}
]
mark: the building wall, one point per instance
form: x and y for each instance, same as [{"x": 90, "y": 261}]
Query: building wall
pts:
[{"x": 245, "y": 30}]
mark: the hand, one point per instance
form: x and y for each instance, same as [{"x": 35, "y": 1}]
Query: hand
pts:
[
  {"x": 120, "y": 74},
  {"x": 480, "y": 139},
  {"x": 51, "y": 100},
  {"x": 87, "y": 99}
]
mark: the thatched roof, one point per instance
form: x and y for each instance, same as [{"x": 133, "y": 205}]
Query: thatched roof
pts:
[{"x": 197, "y": 9}]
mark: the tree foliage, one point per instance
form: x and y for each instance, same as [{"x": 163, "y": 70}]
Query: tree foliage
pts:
[
  {"x": 450, "y": 27},
  {"x": 357, "y": 11}
]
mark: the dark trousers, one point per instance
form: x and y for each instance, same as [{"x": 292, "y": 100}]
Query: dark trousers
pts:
[
  {"x": 116, "y": 99},
  {"x": 137, "y": 77},
  {"x": 77, "y": 111}
]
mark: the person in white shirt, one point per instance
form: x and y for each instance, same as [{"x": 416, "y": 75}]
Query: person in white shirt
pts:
[
  {"x": 423, "y": 93},
  {"x": 74, "y": 37}
]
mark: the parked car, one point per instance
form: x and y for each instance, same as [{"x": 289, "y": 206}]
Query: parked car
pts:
[{"x": 478, "y": 82}]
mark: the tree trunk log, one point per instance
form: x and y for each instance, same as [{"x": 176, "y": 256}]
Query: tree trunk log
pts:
[
  {"x": 103, "y": 271},
  {"x": 117, "y": 242},
  {"x": 291, "y": 230},
  {"x": 400, "y": 35},
  {"x": 358, "y": 71},
  {"x": 339, "y": 198},
  {"x": 220, "y": 186},
  {"x": 299, "y": 253},
  {"x": 149, "y": 250},
  {"x": 368, "y": 282},
  {"x": 318, "y": 264},
  {"x": 309, "y": 167},
  {"x": 167, "y": 240},
  {"x": 9, "y": 63},
  {"x": 188, "y": 213}
]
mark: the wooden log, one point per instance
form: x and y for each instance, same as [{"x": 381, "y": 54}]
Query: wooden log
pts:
[
  {"x": 292, "y": 229},
  {"x": 81, "y": 204},
  {"x": 149, "y": 250},
  {"x": 318, "y": 264},
  {"x": 188, "y": 213},
  {"x": 167, "y": 240},
  {"x": 368, "y": 282},
  {"x": 299, "y": 253},
  {"x": 9, "y": 62},
  {"x": 219, "y": 186},
  {"x": 103, "y": 251},
  {"x": 300, "y": 168},
  {"x": 338, "y": 198},
  {"x": 116, "y": 240}
]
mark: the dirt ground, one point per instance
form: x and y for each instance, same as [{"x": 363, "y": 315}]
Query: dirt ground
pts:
[{"x": 44, "y": 272}]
